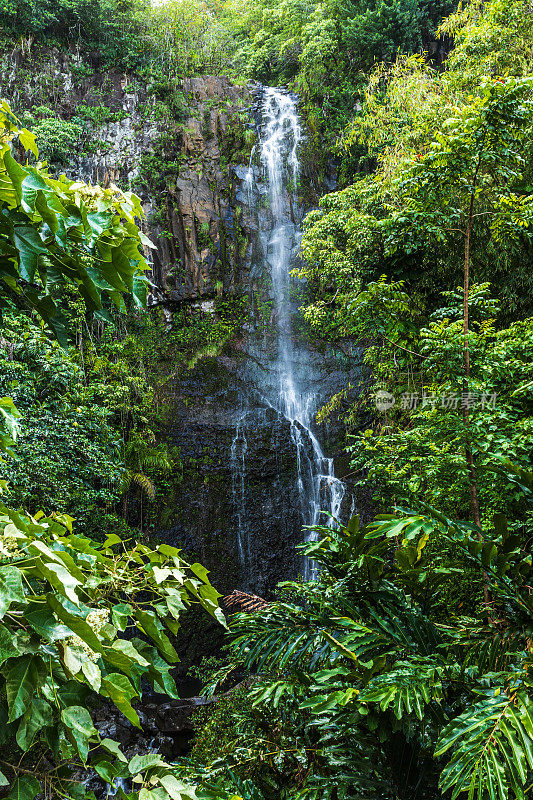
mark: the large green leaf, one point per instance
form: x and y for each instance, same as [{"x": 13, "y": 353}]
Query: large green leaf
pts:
[
  {"x": 76, "y": 623},
  {"x": 492, "y": 748},
  {"x": 25, "y": 788},
  {"x": 121, "y": 692},
  {"x": 149, "y": 623},
  {"x": 61, "y": 579},
  {"x": 24, "y": 677},
  {"x": 42, "y": 620},
  {"x": 113, "y": 747},
  {"x": 92, "y": 674},
  {"x": 54, "y": 230},
  {"x": 38, "y": 715},
  {"x": 80, "y": 728},
  {"x": 177, "y": 789},
  {"x": 141, "y": 762},
  {"x": 11, "y": 590},
  {"x": 8, "y": 648},
  {"x": 30, "y": 246},
  {"x": 16, "y": 173}
]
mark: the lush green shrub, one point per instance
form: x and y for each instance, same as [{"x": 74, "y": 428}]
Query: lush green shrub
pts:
[
  {"x": 366, "y": 686},
  {"x": 69, "y": 458},
  {"x": 66, "y": 604},
  {"x": 107, "y": 25},
  {"x": 58, "y": 140}
]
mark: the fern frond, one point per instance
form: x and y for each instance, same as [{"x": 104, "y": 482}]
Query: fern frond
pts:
[
  {"x": 494, "y": 652},
  {"x": 144, "y": 483},
  {"x": 156, "y": 458},
  {"x": 270, "y": 639},
  {"x": 244, "y": 601}
]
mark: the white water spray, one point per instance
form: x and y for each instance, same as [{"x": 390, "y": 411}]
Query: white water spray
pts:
[
  {"x": 318, "y": 488},
  {"x": 239, "y": 446}
]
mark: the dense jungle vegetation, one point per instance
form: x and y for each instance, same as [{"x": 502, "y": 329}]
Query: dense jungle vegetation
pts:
[{"x": 404, "y": 671}]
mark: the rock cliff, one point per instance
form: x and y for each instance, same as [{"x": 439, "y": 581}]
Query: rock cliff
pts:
[{"x": 185, "y": 150}]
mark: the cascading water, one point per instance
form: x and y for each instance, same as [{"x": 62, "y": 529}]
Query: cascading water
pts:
[
  {"x": 287, "y": 390},
  {"x": 239, "y": 447}
]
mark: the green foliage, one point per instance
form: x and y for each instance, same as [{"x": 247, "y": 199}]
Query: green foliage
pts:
[
  {"x": 83, "y": 623},
  {"x": 69, "y": 456},
  {"x": 61, "y": 141},
  {"x": 324, "y": 49},
  {"x": 61, "y": 232},
  {"x": 186, "y": 37},
  {"x": 364, "y": 685},
  {"x": 480, "y": 150},
  {"x": 64, "y": 603},
  {"x": 379, "y": 255},
  {"x": 108, "y": 23},
  {"x": 492, "y": 751},
  {"x": 161, "y": 41},
  {"x": 408, "y": 221},
  {"x": 141, "y": 456},
  {"x": 57, "y": 139},
  {"x": 417, "y": 446}
]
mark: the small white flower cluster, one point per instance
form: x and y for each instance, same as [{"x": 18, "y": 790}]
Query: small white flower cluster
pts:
[
  {"x": 9, "y": 545},
  {"x": 96, "y": 618}
]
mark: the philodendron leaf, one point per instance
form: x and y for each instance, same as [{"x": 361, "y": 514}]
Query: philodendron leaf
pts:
[{"x": 24, "y": 676}]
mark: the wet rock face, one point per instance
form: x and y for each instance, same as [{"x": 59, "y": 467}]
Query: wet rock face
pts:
[
  {"x": 167, "y": 727},
  {"x": 205, "y": 249},
  {"x": 242, "y": 524},
  {"x": 237, "y": 509}
]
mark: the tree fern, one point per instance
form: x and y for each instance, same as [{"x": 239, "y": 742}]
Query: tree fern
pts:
[{"x": 141, "y": 456}]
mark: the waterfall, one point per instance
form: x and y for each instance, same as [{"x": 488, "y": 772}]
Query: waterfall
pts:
[
  {"x": 239, "y": 446},
  {"x": 289, "y": 390},
  {"x": 318, "y": 488}
]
